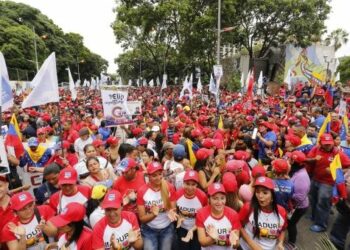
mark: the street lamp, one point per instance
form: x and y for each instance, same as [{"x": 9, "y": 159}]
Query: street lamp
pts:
[
  {"x": 219, "y": 33},
  {"x": 78, "y": 62}
]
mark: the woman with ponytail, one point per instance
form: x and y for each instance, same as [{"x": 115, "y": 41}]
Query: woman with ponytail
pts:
[
  {"x": 263, "y": 221},
  {"x": 156, "y": 210}
]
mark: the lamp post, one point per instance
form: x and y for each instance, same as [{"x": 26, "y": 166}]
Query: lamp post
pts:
[
  {"x": 219, "y": 33},
  {"x": 35, "y": 51},
  {"x": 78, "y": 67}
]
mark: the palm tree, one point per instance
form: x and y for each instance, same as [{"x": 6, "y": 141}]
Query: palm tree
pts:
[{"x": 337, "y": 38}]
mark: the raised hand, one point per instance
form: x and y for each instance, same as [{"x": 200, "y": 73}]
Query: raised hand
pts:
[
  {"x": 114, "y": 243},
  {"x": 134, "y": 235},
  {"x": 212, "y": 232},
  {"x": 172, "y": 215}
]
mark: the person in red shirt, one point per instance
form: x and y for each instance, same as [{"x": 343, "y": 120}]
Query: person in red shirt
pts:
[
  {"x": 156, "y": 207},
  {"x": 189, "y": 200},
  {"x": 118, "y": 229},
  {"x": 6, "y": 213},
  {"x": 72, "y": 232},
  {"x": 264, "y": 221},
  {"x": 70, "y": 191},
  {"x": 27, "y": 229},
  {"x": 320, "y": 157},
  {"x": 217, "y": 225},
  {"x": 128, "y": 183},
  {"x": 69, "y": 134}
]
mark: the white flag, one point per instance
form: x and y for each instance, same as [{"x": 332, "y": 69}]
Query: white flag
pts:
[
  {"x": 151, "y": 83},
  {"x": 288, "y": 80},
  {"x": 129, "y": 82},
  {"x": 103, "y": 78},
  {"x": 337, "y": 77},
  {"x": 93, "y": 83},
  {"x": 45, "y": 85},
  {"x": 212, "y": 85},
  {"x": 247, "y": 80},
  {"x": 138, "y": 82},
  {"x": 260, "y": 80},
  {"x": 199, "y": 85},
  {"x": 6, "y": 96},
  {"x": 184, "y": 87},
  {"x": 158, "y": 81},
  {"x": 164, "y": 82},
  {"x": 77, "y": 83},
  {"x": 144, "y": 83},
  {"x": 71, "y": 85},
  {"x": 242, "y": 81}
]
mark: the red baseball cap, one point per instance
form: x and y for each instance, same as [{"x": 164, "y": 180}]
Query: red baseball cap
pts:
[
  {"x": 326, "y": 139},
  {"x": 298, "y": 156},
  {"x": 67, "y": 176},
  {"x": 241, "y": 155},
  {"x": 229, "y": 182},
  {"x": 265, "y": 182},
  {"x": 41, "y": 131},
  {"x": 73, "y": 212},
  {"x": 66, "y": 144},
  {"x": 235, "y": 165},
  {"x": 196, "y": 132},
  {"x": 258, "y": 171},
  {"x": 113, "y": 199},
  {"x": 208, "y": 143},
  {"x": 218, "y": 143},
  {"x": 136, "y": 131},
  {"x": 126, "y": 164},
  {"x": 20, "y": 200},
  {"x": 153, "y": 167},
  {"x": 293, "y": 139},
  {"x": 203, "y": 153},
  {"x": 112, "y": 140},
  {"x": 97, "y": 143},
  {"x": 280, "y": 166},
  {"x": 266, "y": 124},
  {"x": 216, "y": 188},
  {"x": 191, "y": 175},
  {"x": 142, "y": 141}
]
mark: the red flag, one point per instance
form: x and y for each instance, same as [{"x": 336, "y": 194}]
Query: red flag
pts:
[
  {"x": 13, "y": 137},
  {"x": 250, "y": 85}
]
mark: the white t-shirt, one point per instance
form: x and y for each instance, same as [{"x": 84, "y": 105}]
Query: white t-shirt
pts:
[
  {"x": 81, "y": 168},
  {"x": 79, "y": 145},
  {"x": 96, "y": 216}
]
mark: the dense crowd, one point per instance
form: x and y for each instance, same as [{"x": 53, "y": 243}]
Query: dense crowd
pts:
[{"x": 189, "y": 173}]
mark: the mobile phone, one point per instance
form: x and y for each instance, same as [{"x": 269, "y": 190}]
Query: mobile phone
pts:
[{"x": 255, "y": 131}]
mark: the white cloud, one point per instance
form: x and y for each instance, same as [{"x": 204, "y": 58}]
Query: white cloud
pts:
[{"x": 92, "y": 19}]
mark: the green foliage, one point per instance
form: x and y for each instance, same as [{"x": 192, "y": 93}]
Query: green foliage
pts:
[
  {"x": 17, "y": 25},
  {"x": 182, "y": 33},
  {"x": 337, "y": 38},
  {"x": 344, "y": 69}
]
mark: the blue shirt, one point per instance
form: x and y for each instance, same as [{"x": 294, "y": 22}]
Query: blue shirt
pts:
[
  {"x": 105, "y": 132},
  {"x": 269, "y": 136},
  {"x": 284, "y": 190}
]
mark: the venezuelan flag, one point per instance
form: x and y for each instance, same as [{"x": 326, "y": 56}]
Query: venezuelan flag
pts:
[
  {"x": 324, "y": 127},
  {"x": 14, "y": 137},
  {"x": 192, "y": 156},
  {"x": 329, "y": 96},
  {"x": 339, "y": 189},
  {"x": 220, "y": 123}
]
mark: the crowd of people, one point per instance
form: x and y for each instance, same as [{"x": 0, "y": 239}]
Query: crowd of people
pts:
[{"x": 189, "y": 173}]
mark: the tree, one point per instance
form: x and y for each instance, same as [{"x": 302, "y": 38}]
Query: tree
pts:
[
  {"x": 344, "y": 69},
  {"x": 337, "y": 38},
  {"x": 182, "y": 33},
  {"x": 17, "y": 25}
]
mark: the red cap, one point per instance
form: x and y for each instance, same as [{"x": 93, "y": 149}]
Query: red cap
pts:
[
  {"x": 73, "y": 212},
  {"x": 154, "y": 167},
  {"x": 293, "y": 139},
  {"x": 208, "y": 143},
  {"x": 191, "y": 175},
  {"x": 241, "y": 155},
  {"x": 41, "y": 131},
  {"x": 284, "y": 123},
  {"x": 298, "y": 156},
  {"x": 203, "y": 153},
  {"x": 229, "y": 182},
  {"x": 66, "y": 144},
  {"x": 280, "y": 166},
  {"x": 264, "y": 182},
  {"x": 136, "y": 131},
  {"x": 112, "y": 140},
  {"x": 235, "y": 165},
  {"x": 326, "y": 139},
  {"x": 68, "y": 176},
  {"x": 206, "y": 131},
  {"x": 126, "y": 164},
  {"x": 142, "y": 141},
  {"x": 97, "y": 143},
  {"x": 196, "y": 132},
  {"x": 319, "y": 92},
  {"x": 20, "y": 200},
  {"x": 258, "y": 171},
  {"x": 266, "y": 124},
  {"x": 216, "y": 188},
  {"x": 113, "y": 199},
  {"x": 202, "y": 118},
  {"x": 218, "y": 143},
  {"x": 33, "y": 113},
  {"x": 93, "y": 127}
]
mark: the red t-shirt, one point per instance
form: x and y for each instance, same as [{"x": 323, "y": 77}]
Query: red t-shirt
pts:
[
  {"x": 225, "y": 224},
  {"x": 188, "y": 207},
  {"x": 319, "y": 168},
  {"x": 6, "y": 215},
  {"x": 84, "y": 242},
  {"x": 103, "y": 231},
  {"x": 34, "y": 236},
  {"x": 125, "y": 187},
  {"x": 148, "y": 197},
  {"x": 271, "y": 225},
  {"x": 70, "y": 135},
  {"x": 58, "y": 201}
]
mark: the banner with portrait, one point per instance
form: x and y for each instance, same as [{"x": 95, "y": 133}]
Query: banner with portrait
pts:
[{"x": 115, "y": 105}]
